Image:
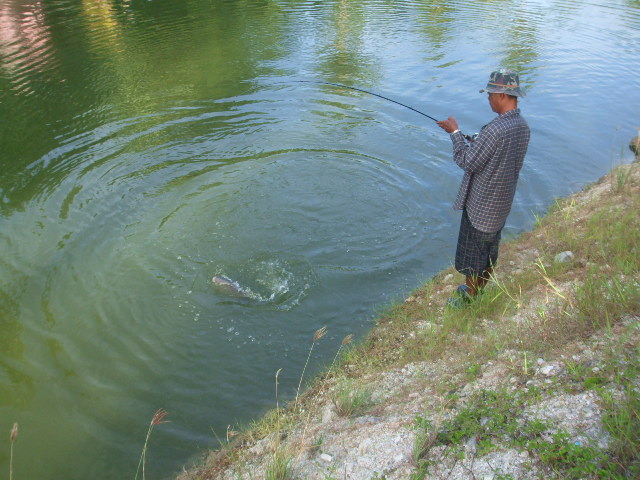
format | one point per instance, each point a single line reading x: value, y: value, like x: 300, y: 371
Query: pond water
x: 148, y: 146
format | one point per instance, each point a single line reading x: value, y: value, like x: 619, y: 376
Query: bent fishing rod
x: 469, y: 138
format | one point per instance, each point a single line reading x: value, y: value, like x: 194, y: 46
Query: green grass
x: 491, y: 415
x: 492, y: 420
x: 622, y: 421
x: 570, y: 460
x: 351, y: 399
x: 425, y: 439
x: 602, y: 291
x: 280, y: 467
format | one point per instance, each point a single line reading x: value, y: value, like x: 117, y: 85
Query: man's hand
x: 449, y: 125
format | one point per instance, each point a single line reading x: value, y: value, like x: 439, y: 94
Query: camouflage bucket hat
x: 504, y: 81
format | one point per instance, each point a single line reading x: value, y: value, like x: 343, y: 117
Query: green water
x: 147, y: 146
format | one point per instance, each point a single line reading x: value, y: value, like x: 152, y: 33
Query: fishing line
x: 368, y: 92
x: 468, y: 138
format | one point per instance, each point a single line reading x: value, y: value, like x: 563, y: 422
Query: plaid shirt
x: 491, y: 165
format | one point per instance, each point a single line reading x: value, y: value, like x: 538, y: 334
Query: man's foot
x: 460, y: 298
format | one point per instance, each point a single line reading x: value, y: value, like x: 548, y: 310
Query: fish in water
x: 228, y: 285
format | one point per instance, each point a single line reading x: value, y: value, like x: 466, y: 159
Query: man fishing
x: 491, y: 164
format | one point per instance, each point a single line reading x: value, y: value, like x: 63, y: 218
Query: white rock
x: 547, y: 370
x: 563, y: 257
x: 364, y: 446
x: 326, y: 457
x: 328, y: 414
x: 262, y: 446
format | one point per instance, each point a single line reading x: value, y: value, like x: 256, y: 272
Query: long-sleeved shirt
x: 491, y: 165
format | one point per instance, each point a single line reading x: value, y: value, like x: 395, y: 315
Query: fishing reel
x: 470, y: 138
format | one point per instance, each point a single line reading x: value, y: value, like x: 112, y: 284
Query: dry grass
x: 157, y: 419
x: 12, y: 438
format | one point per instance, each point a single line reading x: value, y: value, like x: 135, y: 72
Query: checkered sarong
x: 476, y: 250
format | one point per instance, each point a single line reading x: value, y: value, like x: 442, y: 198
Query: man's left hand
x: 449, y: 125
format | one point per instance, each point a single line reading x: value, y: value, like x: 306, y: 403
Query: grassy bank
x: 459, y: 387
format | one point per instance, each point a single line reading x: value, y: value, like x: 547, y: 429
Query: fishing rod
x: 469, y: 138
x: 370, y: 93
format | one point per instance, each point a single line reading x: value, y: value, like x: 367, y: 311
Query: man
x: 491, y: 164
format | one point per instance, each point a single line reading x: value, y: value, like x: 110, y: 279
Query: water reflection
x: 343, y: 48
x: 16, y: 385
x: 100, y: 16
x: 25, y: 45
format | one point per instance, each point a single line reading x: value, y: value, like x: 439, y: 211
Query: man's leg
x: 476, y: 283
x: 476, y: 254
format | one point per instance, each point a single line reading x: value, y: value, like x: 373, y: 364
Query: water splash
x: 264, y: 279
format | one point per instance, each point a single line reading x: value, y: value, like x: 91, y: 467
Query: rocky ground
x: 522, y: 402
x: 380, y: 444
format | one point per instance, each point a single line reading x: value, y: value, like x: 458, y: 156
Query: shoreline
x: 544, y: 337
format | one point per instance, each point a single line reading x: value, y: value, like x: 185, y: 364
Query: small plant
x: 230, y: 433
x: 601, y: 300
x: 582, y: 375
x: 379, y: 476
x: 576, y: 370
x: 493, y: 416
x: 316, y: 337
x: 514, y: 298
x: 537, y: 219
x: 473, y: 370
x: 426, y: 437
x: 621, y: 177
x: 157, y: 419
x: 12, y: 437
x: 622, y: 421
x: 350, y: 399
x: 316, y: 445
x: 571, y: 460
x: 277, y: 410
x: 500, y: 476
x: 552, y: 287
x: 280, y: 467
x: 345, y: 341
x: 489, y: 416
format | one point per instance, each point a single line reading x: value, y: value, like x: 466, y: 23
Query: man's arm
x: 473, y: 157
x: 470, y: 157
